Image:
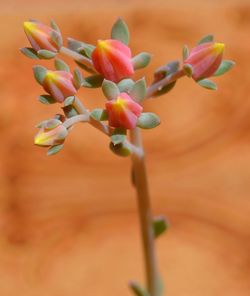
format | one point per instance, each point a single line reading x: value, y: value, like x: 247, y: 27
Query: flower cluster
x: 110, y: 65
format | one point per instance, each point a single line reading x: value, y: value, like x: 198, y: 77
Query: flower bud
x: 205, y: 59
x: 123, y: 111
x: 112, y: 59
x: 42, y: 37
x: 52, y: 132
x: 59, y: 84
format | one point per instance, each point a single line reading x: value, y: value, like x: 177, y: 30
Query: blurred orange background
x: 69, y: 223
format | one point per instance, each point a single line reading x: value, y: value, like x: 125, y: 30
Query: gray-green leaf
x: 185, y: 52
x: 60, y: 65
x: 148, y: 120
x: 207, y: 38
x: 120, y: 31
x: 54, y: 149
x: 208, y: 84
x: 39, y: 73
x: 93, y: 81
x: 141, y: 60
x: 47, y: 99
x: 29, y: 52
x: 99, y: 114
x: 46, y: 54
x: 110, y: 89
x: 224, y: 67
x: 139, y: 90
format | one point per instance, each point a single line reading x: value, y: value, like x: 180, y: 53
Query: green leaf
x: 84, y: 67
x: 47, y: 99
x: 93, y: 81
x: 86, y: 50
x: 55, y: 26
x: 188, y: 69
x: 185, y: 52
x: 120, y: 31
x: 46, y: 54
x: 224, y: 67
x: 125, y: 85
x: 141, y: 60
x: 138, y: 289
x: 164, y: 89
x: 160, y: 225
x: 148, y: 120
x: 121, y: 149
x: 99, y: 114
x: 110, y: 89
x: 60, y: 65
x: 29, y: 52
x: 208, y: 84
x: 57, y: 38
x: 39, y: 73
x: 139, y: 90
x: 78, y: 79
x: 118, y: 136
x: 205, y: 39
x: 69, y: 111
x: 54, y: 149
x: 69, y: 101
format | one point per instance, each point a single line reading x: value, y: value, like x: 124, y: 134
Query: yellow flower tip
x: 38, y: 140
x: 29, y: 26
x: 51, y: 75
x: 102, y: 44
x: 219, y: 47
x: 120, y: 104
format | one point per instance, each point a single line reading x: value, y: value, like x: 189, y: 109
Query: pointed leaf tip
x: 224, y: 67
x: 110, y: 89
x: 148, y: 120
x: 207, y: 38
x: 120, y: 31
x: 208, y: 84
x: 160, y: 225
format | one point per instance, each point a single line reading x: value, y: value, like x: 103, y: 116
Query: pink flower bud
x: 123, y: 111
x: 205, y: 59
x: 112, y: 59
x: 40, y: 36
x: 52, y: 132
x: 59, y: 84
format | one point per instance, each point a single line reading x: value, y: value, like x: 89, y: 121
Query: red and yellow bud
x: 40, y: 36
x: 112, y: 59
x: 123, y: 111
x: 59, y: 84
x: 205, y: 59
x: 52, y: 132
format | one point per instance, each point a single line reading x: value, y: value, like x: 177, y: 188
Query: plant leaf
x: 208, y: 84
x: 148, y: 120
x: 54, y: 149
x: 185, y: 52
x: 139, y: 90
x: 69, y: 101
x: 60, y: 65
x: 78, y: 79
x: 99, y: 114
x: 188, y: 69
x: 121, y: 149
x: 141, y: 60
x: 224, y: 67
x: 29, y: 52
x: 125, y: 85
x: 46, y: 54
x: 47, y: 99
x: 138, y: 289
x: 93, y: 81
x: 164, y: 89
x: 120, y: 31
x: 110, y: 89
x: 39, y: 73
x: 160, y: 225
x: 205, y: 39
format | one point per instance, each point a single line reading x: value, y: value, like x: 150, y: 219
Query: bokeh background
x: 68, y: 223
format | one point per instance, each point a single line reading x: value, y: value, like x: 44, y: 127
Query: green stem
x: 144, y: 208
